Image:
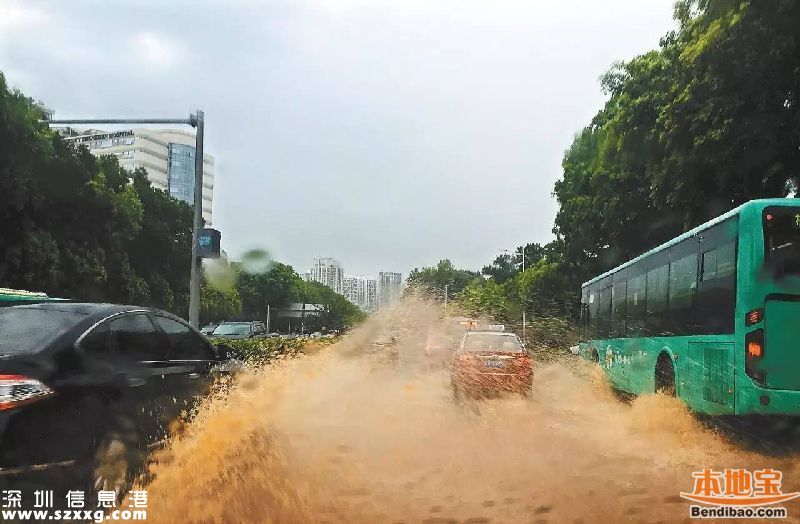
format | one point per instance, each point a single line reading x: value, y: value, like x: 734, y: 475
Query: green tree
x: 704, y: 123
x: 337, y: 312
x: 277, y: 287
x: 81, y: 227
x: 506, y: 266
x: 434, y: 280
x: 219, y: 304
x: 487, y: 297
x: 544, y: 290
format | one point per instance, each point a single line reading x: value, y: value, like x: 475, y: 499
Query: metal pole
x: 188, y: 121
x: 524, y: 322
x: 196, y: 271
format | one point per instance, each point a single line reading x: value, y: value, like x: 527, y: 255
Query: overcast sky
x: 386, y: 134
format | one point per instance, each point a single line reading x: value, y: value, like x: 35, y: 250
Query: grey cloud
x: 384, y: 134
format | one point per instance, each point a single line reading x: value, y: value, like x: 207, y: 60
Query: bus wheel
x: 665, y: 375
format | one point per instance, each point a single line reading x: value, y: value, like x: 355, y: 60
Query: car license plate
x: 494, y: 364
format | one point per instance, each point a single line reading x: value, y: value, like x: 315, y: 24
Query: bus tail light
x: 754, y: 353
x: 753, y: 317
x: 18, y: 390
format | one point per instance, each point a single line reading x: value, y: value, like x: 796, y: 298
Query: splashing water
x: 362, y: 432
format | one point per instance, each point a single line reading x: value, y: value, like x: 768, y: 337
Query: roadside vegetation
x: 80, y: 227
x: 708, y: 121
x: 260, y: 351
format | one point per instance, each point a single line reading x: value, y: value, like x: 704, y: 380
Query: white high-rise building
x: 362, y: 291
x: 168, y: 156
x: 370, y: 295
x: 328, y: 271
x: 390, y: 287
x: 350, y: 289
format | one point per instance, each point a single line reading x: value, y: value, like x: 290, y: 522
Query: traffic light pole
x: 197, y: 267
x: 197, y: 121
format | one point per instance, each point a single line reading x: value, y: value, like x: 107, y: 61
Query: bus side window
x: 604, y: 313
x: 584, y: 314
x: 635, y: 306
x: 726, y: 260
x: 618, y: 310
x: 716, y: 294
x: 591, y: 326
x: 682, y: 284
x: 657, y: 314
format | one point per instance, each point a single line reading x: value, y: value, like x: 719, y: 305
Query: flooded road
x: 349, y: 435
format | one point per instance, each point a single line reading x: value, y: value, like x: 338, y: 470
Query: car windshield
x: 232, y: 329
x: 26, y: 330
x: 490, y: 342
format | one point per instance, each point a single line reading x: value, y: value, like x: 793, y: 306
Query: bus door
x: 713, y: 323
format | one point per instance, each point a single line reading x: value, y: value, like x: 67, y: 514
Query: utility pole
x: 197, y: 121
x: 524, y: 320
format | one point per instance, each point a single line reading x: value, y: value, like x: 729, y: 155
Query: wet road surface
x: 361, y: 433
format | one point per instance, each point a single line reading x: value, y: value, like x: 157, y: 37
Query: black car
x: 239, y: 330
x: 87, y: 389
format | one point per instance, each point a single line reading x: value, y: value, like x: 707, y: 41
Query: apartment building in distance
x: 368, y: 293
x: 390, y: 287
x: 362, y: 291
x: 168, y: 156
x: 327, y: 271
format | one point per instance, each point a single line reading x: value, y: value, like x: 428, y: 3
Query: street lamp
x: 197, y: 121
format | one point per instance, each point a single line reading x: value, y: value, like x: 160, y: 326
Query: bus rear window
x: 782, y: 239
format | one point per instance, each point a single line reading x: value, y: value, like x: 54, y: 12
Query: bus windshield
x: 782, y: 239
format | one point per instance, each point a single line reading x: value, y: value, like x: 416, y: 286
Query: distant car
x: 239, y: 330
x: 208, y: 329
x: 488, y: 362
x: 86, y: 389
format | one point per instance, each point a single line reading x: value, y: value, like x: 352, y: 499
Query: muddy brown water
x: 351, y: 435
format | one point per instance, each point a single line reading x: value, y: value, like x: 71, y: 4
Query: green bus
x: 16, y: 297
x: 712, y: 316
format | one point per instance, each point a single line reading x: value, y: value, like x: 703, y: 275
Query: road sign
x: 208, y: 243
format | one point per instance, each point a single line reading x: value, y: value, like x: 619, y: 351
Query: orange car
x: 490, y: 362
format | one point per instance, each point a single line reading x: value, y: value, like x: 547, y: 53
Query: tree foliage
x: 434, y: 280
x: 709, y: 120
x: 337, y: 312
x: 279, y: 286
x: 276, y: 287
x: 706, y: 122
x: 80, y: 227
x: 217, y: 305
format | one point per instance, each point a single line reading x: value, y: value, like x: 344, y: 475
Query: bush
x: 260, y: 351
